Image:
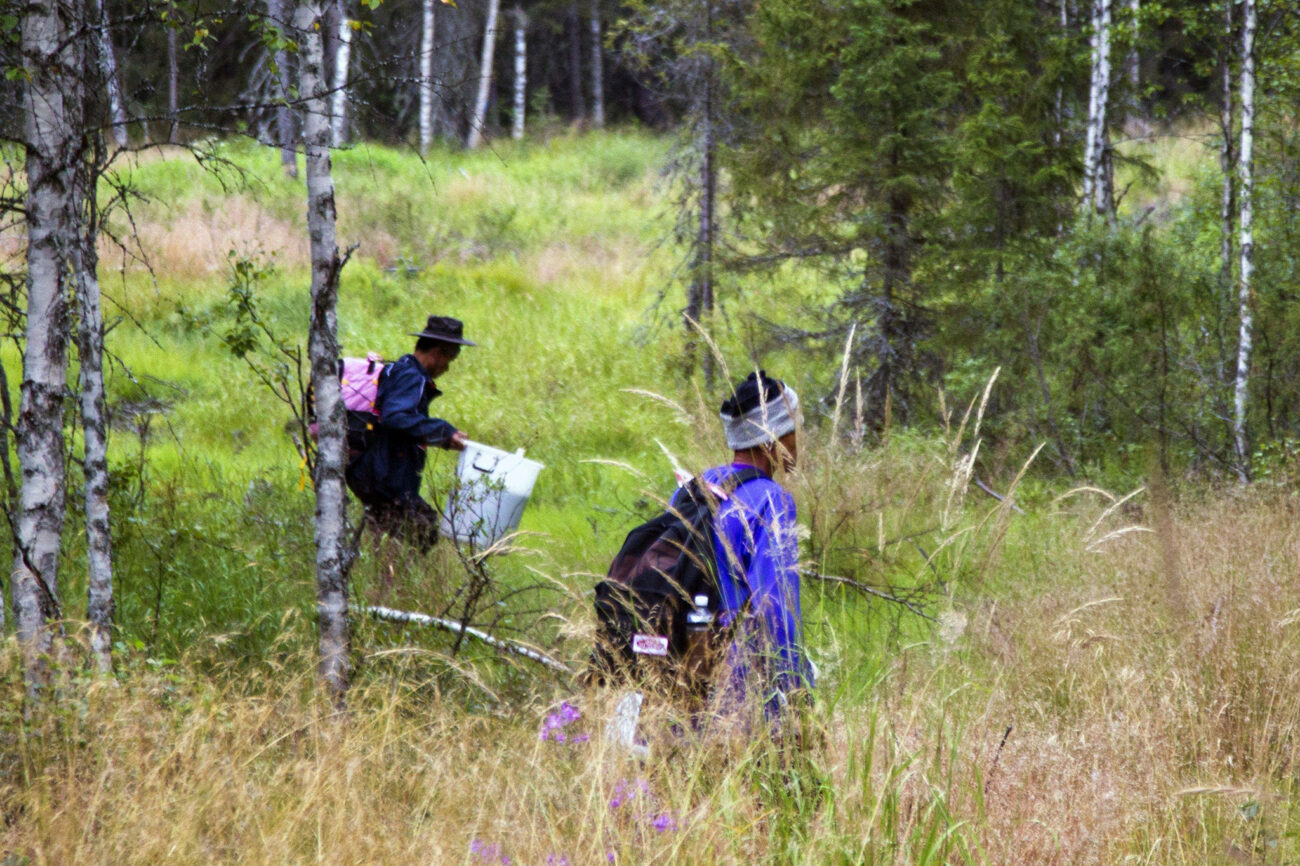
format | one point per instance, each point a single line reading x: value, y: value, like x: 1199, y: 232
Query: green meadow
x: 1082, y: 676
x: 557, y: 255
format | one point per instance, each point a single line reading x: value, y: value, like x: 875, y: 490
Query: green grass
x: 1147, y: 679
x: 555, y: 254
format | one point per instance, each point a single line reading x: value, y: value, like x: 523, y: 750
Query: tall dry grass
x: 1144, y: 727
x: 192, y: 240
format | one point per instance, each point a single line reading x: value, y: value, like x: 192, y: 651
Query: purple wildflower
x: 664, y: 822
x: 558, y: 860
x: 623, y: 792
x: 486, y: 852
x: 555, y: 723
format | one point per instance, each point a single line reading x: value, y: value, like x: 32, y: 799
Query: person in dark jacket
x: 386, y: 478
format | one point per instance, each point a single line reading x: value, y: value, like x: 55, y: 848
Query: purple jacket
x: 758, y: 556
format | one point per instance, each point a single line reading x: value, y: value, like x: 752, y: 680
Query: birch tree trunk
x: 284, y: 131
x: 1246, y: 165
x: 521, y: 74
x: 485, y: 76
x: 1134, y: 57
x: 1095, y: 140
x: 342, y: 53
x: 173, y: 87
x: 323, y: 349
x: 426, y: 75
x: 51, y: 99
x: 108, y: 68
x: 90, y: 348
x: 9, y: 494
x: 597, y: 69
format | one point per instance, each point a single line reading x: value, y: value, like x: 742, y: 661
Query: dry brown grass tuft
x: 1124, y: 699
x: 195, y: 241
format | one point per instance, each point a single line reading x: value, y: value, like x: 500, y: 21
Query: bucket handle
x: 486, y: 470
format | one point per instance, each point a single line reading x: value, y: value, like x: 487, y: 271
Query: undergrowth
x: 1056, y: 676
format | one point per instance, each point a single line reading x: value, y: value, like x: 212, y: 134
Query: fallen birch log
x: 452, y: 625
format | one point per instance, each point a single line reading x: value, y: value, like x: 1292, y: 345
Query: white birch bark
x: 323, y: 349
x: 90, y: 347
x: 521, y: 74
x: 1134, y: 58
x: 509, y: 646
x: 597, y: 69
x: 1246, y: 167
x: 426, y: 75
x: 342, y: 53
x: 108, y: 68
x: 51, y: 96
x: 479, y: 117
x: 1095, y: 139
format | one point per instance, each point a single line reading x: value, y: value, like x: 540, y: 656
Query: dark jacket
x: 390, y: 469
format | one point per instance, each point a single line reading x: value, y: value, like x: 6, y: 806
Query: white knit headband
x: 766, y: 422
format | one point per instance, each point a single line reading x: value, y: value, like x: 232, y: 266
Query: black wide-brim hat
x: 445, y: 328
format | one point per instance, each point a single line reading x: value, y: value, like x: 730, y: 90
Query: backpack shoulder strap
x: 741, y: 477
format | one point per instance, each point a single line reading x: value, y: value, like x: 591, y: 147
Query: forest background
x: 1030, y: 264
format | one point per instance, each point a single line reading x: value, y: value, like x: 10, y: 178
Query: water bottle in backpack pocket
x: 657, y: 609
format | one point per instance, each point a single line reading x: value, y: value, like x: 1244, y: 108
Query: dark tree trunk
x: 173, y: 87
x: 1227, y: 217
x: 699, y: 304
x: 597, y: 68
x: 284, y: 126
x: 573, y: 30
x: 892, y: 338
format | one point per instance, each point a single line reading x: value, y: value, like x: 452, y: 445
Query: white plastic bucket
x: 492, y: 487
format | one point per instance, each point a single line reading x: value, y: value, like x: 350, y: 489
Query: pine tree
x: 855, y: 101
x: 684, y: 47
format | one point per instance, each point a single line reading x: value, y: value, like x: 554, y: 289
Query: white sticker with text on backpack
x: 650, y: 644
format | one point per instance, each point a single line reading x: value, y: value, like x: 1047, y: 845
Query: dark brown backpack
x: 642, y: 603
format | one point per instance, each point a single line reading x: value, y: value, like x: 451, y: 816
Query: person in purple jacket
x: 757, y: 550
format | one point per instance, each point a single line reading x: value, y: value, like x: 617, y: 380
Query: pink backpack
x: 359, y: 379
